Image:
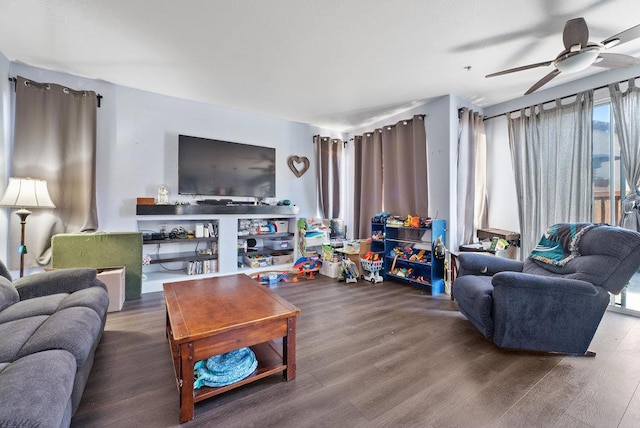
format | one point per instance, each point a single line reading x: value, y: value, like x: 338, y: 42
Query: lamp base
x: 23, y: 213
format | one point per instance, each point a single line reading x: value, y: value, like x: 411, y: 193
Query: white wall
x: 5, y: 88
x: 146, y: 147
x: 137, y: 137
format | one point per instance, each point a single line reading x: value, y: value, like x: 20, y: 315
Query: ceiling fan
x: 579, y: 53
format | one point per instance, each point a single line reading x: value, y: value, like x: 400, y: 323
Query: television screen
x: 210, y: 167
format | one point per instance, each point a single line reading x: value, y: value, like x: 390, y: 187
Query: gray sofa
x: 540, y: 306
x: 50, y: 326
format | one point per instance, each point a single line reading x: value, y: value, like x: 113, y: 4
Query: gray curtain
x: 367, y: 181
x: 55, y: 140
x: 551, y: 152
x: 471, y: 176
x: 404, y: 174
x: 626, y: 113
x: 328, y: 170
x: 391, y: 166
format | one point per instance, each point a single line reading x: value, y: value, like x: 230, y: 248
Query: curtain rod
x: 561, y: 98
x: 15, y: 81
x: 422, y: 116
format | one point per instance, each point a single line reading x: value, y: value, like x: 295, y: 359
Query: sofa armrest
x: 485, y: 264
x: 57, y: 281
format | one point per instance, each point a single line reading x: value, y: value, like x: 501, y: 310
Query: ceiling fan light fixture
x: 611, y: 43
x: 572, y: 62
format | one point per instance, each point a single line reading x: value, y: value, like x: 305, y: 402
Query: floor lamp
x: 26, y: 193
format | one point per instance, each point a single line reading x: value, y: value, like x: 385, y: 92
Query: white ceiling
x: 337, y: 64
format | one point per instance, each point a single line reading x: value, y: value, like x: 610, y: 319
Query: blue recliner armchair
x: 550, y: 303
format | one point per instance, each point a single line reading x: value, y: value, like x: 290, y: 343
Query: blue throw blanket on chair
x: 559, y: 244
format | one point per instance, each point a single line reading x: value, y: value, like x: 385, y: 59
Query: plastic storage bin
x: 279, y: 243
x: 281, y: 258
x: 257, y: 260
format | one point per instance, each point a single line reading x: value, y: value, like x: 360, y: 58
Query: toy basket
x: 371, y: 265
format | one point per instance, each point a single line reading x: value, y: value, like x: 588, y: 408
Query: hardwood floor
x: 383, y: 355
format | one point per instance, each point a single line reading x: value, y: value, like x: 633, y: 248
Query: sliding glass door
x: 609, y: 189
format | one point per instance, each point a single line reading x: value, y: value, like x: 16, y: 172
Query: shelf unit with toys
x: 409, y: 252
x: 377, y: 232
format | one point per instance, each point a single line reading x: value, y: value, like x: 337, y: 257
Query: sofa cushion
x: 14, y: 334
x: 8, y: 293
x: 4, y: 272
x: 475, y: 298
x: 95, y: 298
x: 73, y: 329
x: 57, y: 281
x: 46, y: 305
x: 36, y: 390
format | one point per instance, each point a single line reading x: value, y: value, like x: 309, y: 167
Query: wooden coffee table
x: 211, y: 316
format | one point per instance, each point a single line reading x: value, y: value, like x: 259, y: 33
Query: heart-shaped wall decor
x: 293, y: 162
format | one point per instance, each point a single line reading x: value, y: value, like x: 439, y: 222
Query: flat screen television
x: 208, y: 167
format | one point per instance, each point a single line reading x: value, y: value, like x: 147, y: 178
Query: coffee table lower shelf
x: 269, y: 363
x: 196, y: 330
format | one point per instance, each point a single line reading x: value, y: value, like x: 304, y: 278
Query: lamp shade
x: 27, y: 193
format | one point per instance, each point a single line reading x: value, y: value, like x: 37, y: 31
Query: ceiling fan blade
x: 523, y: 67
x: 612, y: 60
x: 624, y: 37
x: 546, y: 79
x: 575, y: 32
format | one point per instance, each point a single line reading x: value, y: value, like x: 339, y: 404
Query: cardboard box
x: 113, y: 278
x: 360, y: 246
x: 365, y: 247
x: 145, y: 201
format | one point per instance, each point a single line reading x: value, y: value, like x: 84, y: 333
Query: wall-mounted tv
x: 208, y: 167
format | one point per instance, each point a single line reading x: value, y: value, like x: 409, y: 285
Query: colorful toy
x: 307, y: 265
x: 348, y: 271
x: 373, y: 265
x: 269, y: 278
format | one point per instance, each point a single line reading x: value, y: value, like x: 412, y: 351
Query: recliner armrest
x: 57, y: 281
x: 485, y: 264
x: 543, y: 284
x: 544, y: 313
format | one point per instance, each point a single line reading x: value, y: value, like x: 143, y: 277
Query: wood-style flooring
x: 383, y: 355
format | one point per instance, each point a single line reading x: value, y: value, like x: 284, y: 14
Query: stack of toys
x: 409, y: 273
x: 411, y: 254
x: 409, y: 221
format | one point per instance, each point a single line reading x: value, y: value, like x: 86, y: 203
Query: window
x: 608, y: 178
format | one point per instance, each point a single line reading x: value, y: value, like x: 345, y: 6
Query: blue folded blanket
x: 559, y: 244
x: 224, y: 369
